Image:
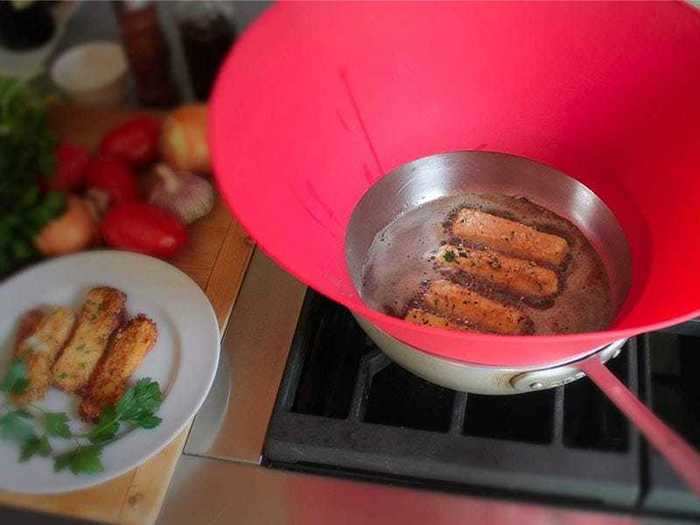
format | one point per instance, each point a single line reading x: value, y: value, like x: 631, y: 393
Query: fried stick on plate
x: 100, y: 315
x: 127, y: 349
x: 27, y: 325
x: 40, y: 338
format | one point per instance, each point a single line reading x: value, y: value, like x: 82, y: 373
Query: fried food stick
x: 516, y: 275
x: 423, y: 318
x: 40, y: 338
x: 456, y: 302
x: 509, y: 237
x: 100, y: 315
x: 128, y: 348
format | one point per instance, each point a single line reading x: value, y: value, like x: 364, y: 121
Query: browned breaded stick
x: 517, y: 275
x: 27, y: 325
x: 39, y: 348
x: 510, y: 237
x: 423, y: 318
x: 128, y: 348
x: 99, y: 317
x: 457, y: 302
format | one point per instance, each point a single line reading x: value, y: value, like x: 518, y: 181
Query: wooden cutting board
x: 216, y: 259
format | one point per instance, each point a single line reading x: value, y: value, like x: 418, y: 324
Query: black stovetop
x: 345, y: 409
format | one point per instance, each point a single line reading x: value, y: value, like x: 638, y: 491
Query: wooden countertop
x: 215, y: 259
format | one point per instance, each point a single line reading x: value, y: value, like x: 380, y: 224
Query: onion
x: 184, y: 139
x: 71, y: 232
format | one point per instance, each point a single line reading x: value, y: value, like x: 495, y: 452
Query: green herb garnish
x: 80, y: 460
x: 35, y: 446
x: 135, y: 409
x: 26, y: 156
x: 15, y: 380
x: 449, y: 256
x: 14, y: 426
x: 56, y: 424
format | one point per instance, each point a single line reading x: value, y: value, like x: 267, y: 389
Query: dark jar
x: 207, y: 32
x: 147, y: 52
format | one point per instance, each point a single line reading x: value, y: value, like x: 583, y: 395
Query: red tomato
x: 113, y: 176
x: 71, y: 161
x: 143, y: 228
x: 136, y: 141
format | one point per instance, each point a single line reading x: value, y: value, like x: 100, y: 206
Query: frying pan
x: 423, y: 185
x: 318, y: 102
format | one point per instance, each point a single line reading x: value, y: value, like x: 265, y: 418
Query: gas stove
x: 344, y: 407
x: 305, y: 406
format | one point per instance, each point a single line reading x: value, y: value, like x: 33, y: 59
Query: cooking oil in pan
x: 416, y: 250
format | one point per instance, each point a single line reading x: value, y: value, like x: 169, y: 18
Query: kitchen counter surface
x: 216, y: 259
x: 224, y: 475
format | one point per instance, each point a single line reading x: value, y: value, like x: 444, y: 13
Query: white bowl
x: 92, y: 74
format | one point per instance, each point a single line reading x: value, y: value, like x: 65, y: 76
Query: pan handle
x: 682, y: 457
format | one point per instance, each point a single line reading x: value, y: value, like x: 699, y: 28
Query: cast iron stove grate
x: 345, y: 408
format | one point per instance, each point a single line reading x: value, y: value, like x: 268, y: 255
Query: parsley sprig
x: 26, y: 159
x: 32, y: 427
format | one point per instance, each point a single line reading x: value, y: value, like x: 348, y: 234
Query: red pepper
x: 71, y: 161
x: 113, y: 176
x: 136, y: 141
x: 143, y: 228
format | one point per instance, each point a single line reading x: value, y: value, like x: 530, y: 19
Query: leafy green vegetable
x: 16, y: 380
x: 62, y: 461
x: 148, y: 421
x: 26, y: 156
x: 136, y: 408
x: 80, y: 460
x: 33, y: 446
x: 142, y: 399
x: 15, y: 427
x: 56, y: 424
x: 106, y: 428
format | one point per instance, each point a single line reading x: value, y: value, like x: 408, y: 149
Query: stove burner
x: 345, y: 408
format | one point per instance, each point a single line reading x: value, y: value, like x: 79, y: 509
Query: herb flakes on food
x: 449, y: 256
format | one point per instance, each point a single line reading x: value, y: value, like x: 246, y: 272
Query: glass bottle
x: 207, y: 32
x: 147, y: 51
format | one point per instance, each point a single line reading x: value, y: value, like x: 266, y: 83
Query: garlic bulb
x: 185, y: 194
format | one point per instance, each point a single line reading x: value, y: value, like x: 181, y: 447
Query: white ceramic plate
x: 183, y: 361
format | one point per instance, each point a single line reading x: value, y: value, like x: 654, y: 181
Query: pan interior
x: 417, y: 196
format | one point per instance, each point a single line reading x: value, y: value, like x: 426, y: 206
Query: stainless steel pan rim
x: 483, y: 379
